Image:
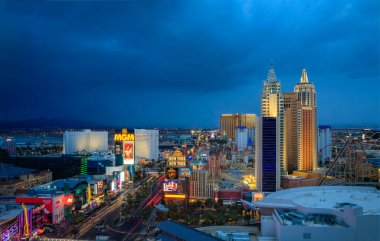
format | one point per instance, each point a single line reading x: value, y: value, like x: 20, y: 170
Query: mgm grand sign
x: 176, y: 160
x: 124, y: 136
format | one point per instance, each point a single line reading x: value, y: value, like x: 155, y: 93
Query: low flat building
x: 175, y: 231
x: 301, y: 179
x: 339, y: 213
x: 16, y: 180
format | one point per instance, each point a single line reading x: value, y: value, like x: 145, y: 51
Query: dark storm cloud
x: 65, y: 58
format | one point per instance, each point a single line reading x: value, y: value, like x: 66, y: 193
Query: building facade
x: 290, y: 132
x: 84, y: 141
x: 146, y: 144
x: 241, y: 138
x: 10, y: 146
x: 229, y: 122
x: 324, y: 143
x: 269, y: 136
x: 339, y: 213
x: 200, y: 186
x: 307, y: 124
x: 24, y: 182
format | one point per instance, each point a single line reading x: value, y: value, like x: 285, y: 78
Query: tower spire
x: 304, y: 78
x: 271, y: 74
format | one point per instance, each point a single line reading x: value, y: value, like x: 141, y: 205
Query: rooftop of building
x: 8, y: 171
x: 327, y: 197
x: 291, y: 217
x: 182, y: 232
x: 8, y: 214
x: 10, y: 210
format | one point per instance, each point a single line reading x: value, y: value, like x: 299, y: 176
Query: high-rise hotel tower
x: 269, y: 136
x: 307, y: 124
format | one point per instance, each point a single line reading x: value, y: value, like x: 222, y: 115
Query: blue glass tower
x: 269, y: 154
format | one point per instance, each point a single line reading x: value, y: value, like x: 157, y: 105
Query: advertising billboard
x: 172, y: 173
x: 176, y: 160
x: 128, y: 152
x: 170, y: 186
x: 47, y: 202
x: 185, y: 172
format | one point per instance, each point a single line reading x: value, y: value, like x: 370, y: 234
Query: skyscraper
x: 228, y: 123
x: 269, y: 136
x: 307, y: 124
x: 290, y: 132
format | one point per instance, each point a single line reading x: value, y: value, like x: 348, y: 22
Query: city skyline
x: 169, y: 64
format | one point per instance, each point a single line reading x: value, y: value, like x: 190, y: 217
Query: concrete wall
x: 368, y: 228
x: 302, y: 233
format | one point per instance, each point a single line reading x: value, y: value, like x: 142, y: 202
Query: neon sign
x: 124, y: 136
x: 9, y: 233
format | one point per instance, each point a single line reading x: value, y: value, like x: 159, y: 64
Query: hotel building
x: 86, y: 140
x: 229, y: 122
x: 146, y: 144
x: 269, y: 136
x: 307, y: 124
x: 290, y: 132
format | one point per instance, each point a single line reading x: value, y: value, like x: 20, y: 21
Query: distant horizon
x: 79, y: 124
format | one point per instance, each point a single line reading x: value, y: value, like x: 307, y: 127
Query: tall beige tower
x: 290, y: 132
x: 307, y: 124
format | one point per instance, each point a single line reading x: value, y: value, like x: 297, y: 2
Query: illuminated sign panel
x: 124, y: 136
x: 177, y: 160
x: 125, y: 146
x: 9, y: 233
x: 185, y: 172
x: 128, y: 152
x: 178, y: 196
x: 100, y: 187
x: 170, y: 186
x: 67, y: 200
x: 172, y: 173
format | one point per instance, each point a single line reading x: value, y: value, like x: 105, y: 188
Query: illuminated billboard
x: 67, y: 200
x: 176, y: 160
x: 170, y: 186
x: 172, y: 173
x: 185, y: 172
x: 124, y: 136
x: 128, y: 152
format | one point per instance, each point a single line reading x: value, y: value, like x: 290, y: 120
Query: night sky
x: 183, y: 63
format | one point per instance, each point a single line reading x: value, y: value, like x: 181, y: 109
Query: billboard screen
x: 172, y: 173
x: 128, y: 152
x: 185, y: 172
x: 170, y: 186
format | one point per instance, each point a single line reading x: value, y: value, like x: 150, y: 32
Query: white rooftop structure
x: 346, y: 213
x: 325, y: 197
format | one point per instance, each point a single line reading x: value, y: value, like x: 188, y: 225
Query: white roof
x: 325, y: 197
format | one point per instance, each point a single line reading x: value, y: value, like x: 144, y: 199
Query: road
x: 132, y: 226
x: 106, y: 214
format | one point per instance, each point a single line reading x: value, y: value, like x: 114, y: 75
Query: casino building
x: 339, y: 213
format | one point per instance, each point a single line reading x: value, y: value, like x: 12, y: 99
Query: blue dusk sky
x: 183, y: 63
